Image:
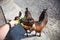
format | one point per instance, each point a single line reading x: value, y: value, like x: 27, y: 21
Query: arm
x: 4, y: 29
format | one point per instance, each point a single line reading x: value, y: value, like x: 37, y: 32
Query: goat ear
x: 20, y: 14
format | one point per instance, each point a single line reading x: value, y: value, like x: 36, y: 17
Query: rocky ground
x: 52, y: 29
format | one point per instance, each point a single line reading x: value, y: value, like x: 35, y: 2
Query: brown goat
x: 38, y: 26
x: 28, y: 22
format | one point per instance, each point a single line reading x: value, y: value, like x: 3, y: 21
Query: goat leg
x: 26, y: 33
x: 39, y: 35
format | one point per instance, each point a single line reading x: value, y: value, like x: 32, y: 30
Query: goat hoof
x: 26, y: 35
x: 39, y: 35
x: 34, y: 35
x: 29, y: 32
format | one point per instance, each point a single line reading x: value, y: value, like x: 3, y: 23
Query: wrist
x: 13, y: 23
x: 9, y: 25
